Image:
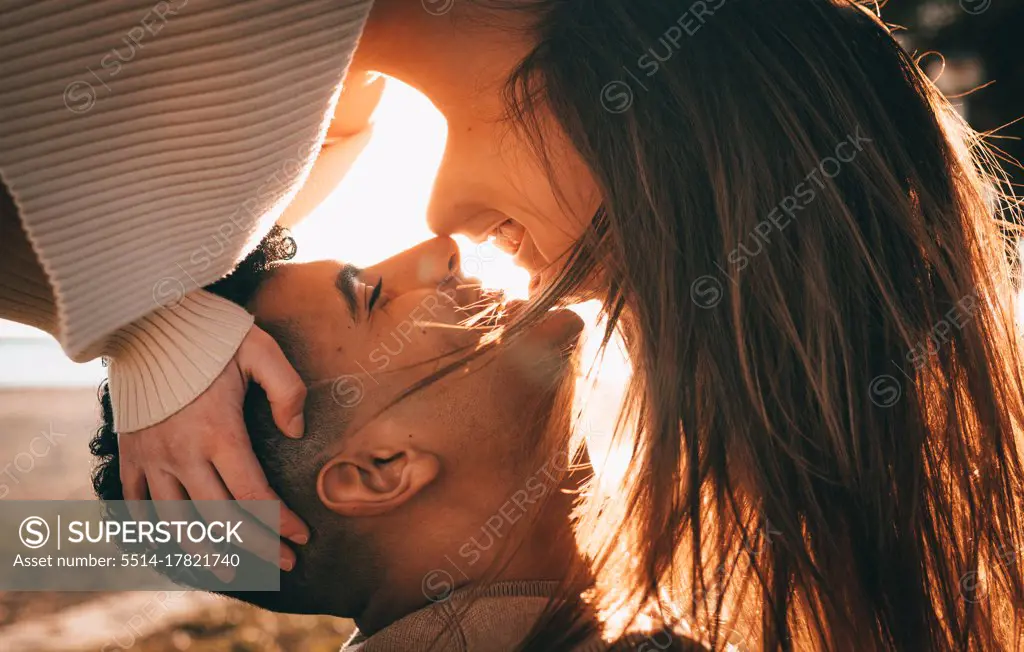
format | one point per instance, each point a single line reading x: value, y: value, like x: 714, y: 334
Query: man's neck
x: 543, y: 552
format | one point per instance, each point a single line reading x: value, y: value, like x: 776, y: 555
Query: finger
x: 203, y: 487
x: 164, y: 488
x: 133, y: 482
x: 265, y: 363
x: 171, y: 504
x: 244, y: 478
x: 254, y: 537
x: 133, y: 477
x: 134, y: 490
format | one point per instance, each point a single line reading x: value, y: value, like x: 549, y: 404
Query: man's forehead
x: 282, y: 291
x: 323, y: 409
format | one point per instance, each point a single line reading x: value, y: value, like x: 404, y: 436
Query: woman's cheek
x: 553, y: 240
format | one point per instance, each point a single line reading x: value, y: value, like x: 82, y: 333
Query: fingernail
x: 297, y: 426
x: 286, y: 563
x: 225, y: 575
x: 301, y: 539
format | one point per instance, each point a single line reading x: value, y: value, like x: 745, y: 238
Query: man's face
x: 371, y: 346
x: 376, y: 463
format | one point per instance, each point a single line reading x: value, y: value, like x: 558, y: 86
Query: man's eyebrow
x: 345, y: 284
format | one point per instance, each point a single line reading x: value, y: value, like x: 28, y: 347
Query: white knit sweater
x: 147, y: 144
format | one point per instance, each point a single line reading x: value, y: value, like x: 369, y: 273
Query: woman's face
x: 491, y: 182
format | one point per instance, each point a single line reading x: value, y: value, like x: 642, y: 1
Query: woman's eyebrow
x: 345, y: 282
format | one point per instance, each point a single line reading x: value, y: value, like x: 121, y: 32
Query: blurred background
x: 972, y: 48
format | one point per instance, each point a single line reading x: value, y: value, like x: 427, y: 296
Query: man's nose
x: 428, y: 265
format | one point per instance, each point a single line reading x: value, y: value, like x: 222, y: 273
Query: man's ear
x: 375, y: 479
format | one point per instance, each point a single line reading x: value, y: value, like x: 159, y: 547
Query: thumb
x: 261, y: 359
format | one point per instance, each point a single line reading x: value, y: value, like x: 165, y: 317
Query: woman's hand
x: 358, y: 100
x: 203, y: 452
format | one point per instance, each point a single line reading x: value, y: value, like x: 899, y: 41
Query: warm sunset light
x: 321, y: 263
x: 366, y: 200
x: 378, y: 207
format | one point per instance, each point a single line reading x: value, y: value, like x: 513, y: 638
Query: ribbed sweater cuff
x: 162, y: 362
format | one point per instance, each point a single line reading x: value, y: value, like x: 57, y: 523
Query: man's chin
x: 562, y: 328
x: 543, y: 355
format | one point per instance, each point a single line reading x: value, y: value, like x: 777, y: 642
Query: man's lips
x: 471, y: 296
x: 486, y: 307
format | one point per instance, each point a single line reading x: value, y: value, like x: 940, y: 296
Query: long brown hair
x: 800, y: 243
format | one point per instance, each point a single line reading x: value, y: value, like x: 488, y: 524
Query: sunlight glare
x: 366, y: 198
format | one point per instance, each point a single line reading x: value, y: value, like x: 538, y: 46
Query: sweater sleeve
x: 162, y: 362
x: 158, y: 364
x: 147, y: 145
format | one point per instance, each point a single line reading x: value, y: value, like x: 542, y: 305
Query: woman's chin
x: 585, y: 291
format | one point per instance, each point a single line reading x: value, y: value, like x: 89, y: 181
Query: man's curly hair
x: 238, y: 287
x: 289, y: 464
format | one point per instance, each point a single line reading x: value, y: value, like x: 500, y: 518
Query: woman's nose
x: 428, y: 265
